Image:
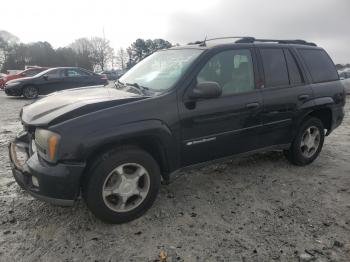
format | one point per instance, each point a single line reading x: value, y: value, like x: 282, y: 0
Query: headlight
x: 12, y: 83
x: 47, y: 144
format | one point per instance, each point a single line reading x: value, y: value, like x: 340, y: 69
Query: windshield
x: 161, y: 70
x: 44, y: 72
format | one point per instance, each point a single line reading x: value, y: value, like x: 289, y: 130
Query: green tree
x: 142, y: 48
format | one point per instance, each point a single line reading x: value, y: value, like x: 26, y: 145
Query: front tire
x: 122, y: 185
x: 307, y: 144
x: 30, y: 92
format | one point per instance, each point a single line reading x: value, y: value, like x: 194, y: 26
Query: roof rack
x: 203, y: 43
x: 249, y: 39
x: 296, y: 41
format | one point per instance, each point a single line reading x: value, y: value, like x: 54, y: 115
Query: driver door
x: 227, y: 125
x: 53, y: 81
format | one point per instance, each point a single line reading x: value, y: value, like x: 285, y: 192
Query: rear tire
x: 122, y: 184
x: 307, y: 144
x: 30, y: 92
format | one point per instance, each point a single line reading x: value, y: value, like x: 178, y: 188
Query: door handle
x: 303, y: 97
x: 252, y: 105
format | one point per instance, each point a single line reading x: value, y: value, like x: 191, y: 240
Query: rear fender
x: 310, y: 107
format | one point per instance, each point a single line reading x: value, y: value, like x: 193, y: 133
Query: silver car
x: 345, y: 79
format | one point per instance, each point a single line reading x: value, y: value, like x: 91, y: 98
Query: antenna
x: 203, y: 43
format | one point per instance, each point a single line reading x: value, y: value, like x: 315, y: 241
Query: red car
x: 26, y: 73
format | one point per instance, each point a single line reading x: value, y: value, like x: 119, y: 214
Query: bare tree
x: 101, y: 52
x: 8, y: 37
x: 81, y: 46
x: 122, y: 58
x: 7, y: 41
x: 3, y: 53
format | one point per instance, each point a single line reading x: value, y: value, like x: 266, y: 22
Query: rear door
x: 77, y: 78
x: 91, y: 78
x: 230, y: 124
x: 285, y: 90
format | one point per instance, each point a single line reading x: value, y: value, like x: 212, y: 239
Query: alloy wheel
x: 30, y: 92
x: 126, y: 187
x: 310, y: 141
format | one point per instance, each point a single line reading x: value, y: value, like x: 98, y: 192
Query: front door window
x: 232, y: 70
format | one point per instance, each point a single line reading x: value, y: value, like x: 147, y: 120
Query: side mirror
x: 206, y: 90
x: 23, y: 74
x: 46, y: 77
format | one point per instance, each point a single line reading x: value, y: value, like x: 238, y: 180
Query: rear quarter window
x: 320, y: 65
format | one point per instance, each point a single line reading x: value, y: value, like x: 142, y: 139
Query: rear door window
x: 275, y: 67
x: 84, y: 73
x: 319, y: 64
x: 295, y: 75
x: 76, y: 73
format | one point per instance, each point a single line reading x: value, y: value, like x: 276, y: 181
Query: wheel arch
x: 322, y: 113
x: 325, y: 115
x: 28, y: 85
x: 158, y: 142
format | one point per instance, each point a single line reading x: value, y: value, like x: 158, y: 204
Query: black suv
x: 52, y: 80
x: 177, y: 108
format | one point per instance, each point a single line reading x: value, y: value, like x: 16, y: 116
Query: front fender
x: 146, y: 128
x: 111, y: 135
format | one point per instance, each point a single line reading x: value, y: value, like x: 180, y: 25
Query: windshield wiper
x: 118, y: 83
x: 136, y: 86
x: 142, y: 88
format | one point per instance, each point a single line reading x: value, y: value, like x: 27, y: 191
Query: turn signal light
x: 52, y: 147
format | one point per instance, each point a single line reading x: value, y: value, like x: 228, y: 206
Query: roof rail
x: 249, y: 39
x: 279, y: 41
x: 203, y: 43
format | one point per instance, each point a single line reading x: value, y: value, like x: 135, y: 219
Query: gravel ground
x: 257, y: 208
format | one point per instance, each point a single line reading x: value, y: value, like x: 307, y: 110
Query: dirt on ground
x: 256, y: 208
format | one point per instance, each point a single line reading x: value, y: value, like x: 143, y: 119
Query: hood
x: 16, y: 78
x: 65, y: 105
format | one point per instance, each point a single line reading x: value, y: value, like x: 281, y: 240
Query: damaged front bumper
x: 57, y: 184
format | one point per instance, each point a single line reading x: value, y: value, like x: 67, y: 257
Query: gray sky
x: 325, y: 22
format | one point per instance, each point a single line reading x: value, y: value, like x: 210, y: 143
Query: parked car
x: 345, y: 79
x: 26, y: 73
x: 177, y: 108
x: 111, y: 75
x: 52, y: 80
